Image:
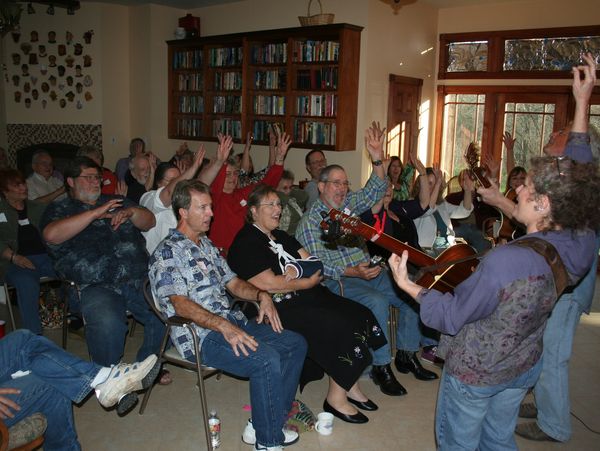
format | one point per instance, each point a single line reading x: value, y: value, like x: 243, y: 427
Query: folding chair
x: 171, y: 355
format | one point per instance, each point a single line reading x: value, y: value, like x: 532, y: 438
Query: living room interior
x: 125, y: 94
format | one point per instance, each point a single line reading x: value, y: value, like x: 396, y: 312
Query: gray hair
x: 324, y: 176
x: 37, y: 154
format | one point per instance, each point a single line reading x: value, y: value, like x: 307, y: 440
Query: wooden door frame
x: 418, y: 82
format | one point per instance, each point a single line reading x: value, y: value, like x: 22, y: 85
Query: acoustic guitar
x: 443, y: 273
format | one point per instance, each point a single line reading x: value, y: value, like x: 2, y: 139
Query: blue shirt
x: 98, y: 254
x: 180, y: 267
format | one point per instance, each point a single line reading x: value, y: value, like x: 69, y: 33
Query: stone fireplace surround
x: 60, y: 140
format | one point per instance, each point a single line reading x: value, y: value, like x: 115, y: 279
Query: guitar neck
x: 355, y: 226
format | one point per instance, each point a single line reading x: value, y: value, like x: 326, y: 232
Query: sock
x: 101, y: 376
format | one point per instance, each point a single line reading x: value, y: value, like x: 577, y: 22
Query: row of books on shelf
x: 191, y: 104
x: 269, y: 53
x: 273, y: 105
x: 190, y: 82
x: 227, y: 56
x: 188, y: 59
x: 317, y: 105
x: 311, y: 132
x: 227, y: 126
x: 227, y: 104
x: 228, y: 81
x: 270, y: 79
x: 189, y: 127
x: 261, y: 129
x: 322, y: 78
x: 313, y: 51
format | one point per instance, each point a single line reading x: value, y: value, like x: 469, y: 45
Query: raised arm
x: 167, y: 192
x: 150, y: 180
x: 272, y: 146
x: 209, y: 174
x: 509, y: 143
x: 582, y: 91
x: 245, y: 164
x: 437, y: 186
x: 374, y: 141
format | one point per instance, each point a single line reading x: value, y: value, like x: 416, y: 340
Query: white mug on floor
x: 324, y: 425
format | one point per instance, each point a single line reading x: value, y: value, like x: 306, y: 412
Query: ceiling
x: 192, y: 4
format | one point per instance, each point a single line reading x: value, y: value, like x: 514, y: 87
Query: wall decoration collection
x: 51, y: 71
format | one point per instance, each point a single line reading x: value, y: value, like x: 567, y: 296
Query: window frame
x: 496, y: 41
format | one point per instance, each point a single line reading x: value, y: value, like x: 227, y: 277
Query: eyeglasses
x: 271, y: 204
x: 558, y: 160
x: 90, y: 178
x: 318, y: 162
x: 339, y: 184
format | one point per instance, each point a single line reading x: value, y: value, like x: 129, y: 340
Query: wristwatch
x: 377, y: 163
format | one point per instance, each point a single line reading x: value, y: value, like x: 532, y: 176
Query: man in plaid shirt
x: 346, y: 260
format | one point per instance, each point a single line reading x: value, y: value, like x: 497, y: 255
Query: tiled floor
x: 172, y: 418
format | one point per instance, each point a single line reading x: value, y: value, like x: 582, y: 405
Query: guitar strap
x: 550, y: 254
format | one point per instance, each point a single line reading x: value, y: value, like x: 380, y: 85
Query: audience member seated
x: 189, y: 278
x: 24, y: 259
x: 346, y: 260
x: 339, y: 331
x: 38, y: 376
x: 137, y: 147
x: 434, y: 227
x: 158, y: 201
x: 140, y: 177
x: 471, y: 228
x: 494, y: 322
x: 315, y: 162
x: 42, y: 185
x: 230, y: 201
x: 109, y: 179
x: 95, y: 241
x: 292, y: 203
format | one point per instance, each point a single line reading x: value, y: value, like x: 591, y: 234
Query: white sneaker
x: 249, y: 437
x: 123, y: 379
x: 258, y: 447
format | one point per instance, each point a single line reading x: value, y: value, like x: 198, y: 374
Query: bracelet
x: 377, y: 163
x: 12, y: 257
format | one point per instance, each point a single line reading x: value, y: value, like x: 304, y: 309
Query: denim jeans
x: 552, y: 389
x: 377, y: 295
x: 57, y: 379
x: 473, y: 236
x: 274, y: 370
x: 27, y: 285
x: 470, y: 417
x: 104, y: 313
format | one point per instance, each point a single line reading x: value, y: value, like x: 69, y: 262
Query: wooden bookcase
x: 303, y: 79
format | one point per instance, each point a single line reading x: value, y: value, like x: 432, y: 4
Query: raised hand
x: 493, y: 166
x: 224, y: 148
x: 582, y: 88
x: 509, y: 141
x: 283, y: 144
x: 374, y: 141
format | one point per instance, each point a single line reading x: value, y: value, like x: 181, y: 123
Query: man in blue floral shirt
x: 95, y: 241
x: 189, y: 278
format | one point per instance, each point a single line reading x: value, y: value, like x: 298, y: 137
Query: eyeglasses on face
x: 271, y: 204
x: 318, y: 162
x: 90, y: 178
x: 339, y: 184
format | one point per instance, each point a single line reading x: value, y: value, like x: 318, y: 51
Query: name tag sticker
x: 3, y: 217
x: 243, y: 202
x: 23, y: 222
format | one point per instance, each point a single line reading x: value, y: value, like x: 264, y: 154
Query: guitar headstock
x: 478, y: 173
x: 344, y: 224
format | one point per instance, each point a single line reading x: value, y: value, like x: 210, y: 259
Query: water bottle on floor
x: 214, y: 425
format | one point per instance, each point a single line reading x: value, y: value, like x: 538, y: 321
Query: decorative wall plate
x: 87, y: 81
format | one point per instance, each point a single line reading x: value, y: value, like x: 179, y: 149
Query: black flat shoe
x: 357, y: 418
x: 364, y: 405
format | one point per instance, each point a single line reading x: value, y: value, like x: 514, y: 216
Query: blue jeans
x: 473, y: 236
x: 470, y: 417
x: 274, y: 370
x: 377, y: 295
x: 27, y: 284
x: 552, y: 389
x: 104, y: 313
x: 57, y: 379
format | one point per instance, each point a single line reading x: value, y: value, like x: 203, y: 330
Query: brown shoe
x: 531, y: 431
x: 528, y: 410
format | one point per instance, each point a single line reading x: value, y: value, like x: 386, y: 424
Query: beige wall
x: 130, y: 60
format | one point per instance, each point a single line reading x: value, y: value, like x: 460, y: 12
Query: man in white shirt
x: 42, y: 185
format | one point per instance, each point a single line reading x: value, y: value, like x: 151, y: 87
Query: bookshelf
x: 303, y: 79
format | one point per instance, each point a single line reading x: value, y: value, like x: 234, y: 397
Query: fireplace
x: 60, y: 140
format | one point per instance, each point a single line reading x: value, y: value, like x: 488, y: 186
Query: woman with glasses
x: 339, y: 331
x: 23, y: 254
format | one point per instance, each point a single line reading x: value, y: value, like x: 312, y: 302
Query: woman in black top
x: 23, y: 254
x: 339, y: 331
